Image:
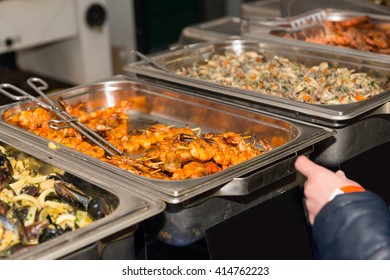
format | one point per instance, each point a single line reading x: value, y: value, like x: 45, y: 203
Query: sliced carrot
x: 306, y: 97
x: 359, y: 97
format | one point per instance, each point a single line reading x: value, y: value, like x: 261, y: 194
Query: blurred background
x: 74, y: 42
x: 79, y: 41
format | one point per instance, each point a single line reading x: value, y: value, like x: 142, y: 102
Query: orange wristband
x: 349, y: 189
x: 346, y: 189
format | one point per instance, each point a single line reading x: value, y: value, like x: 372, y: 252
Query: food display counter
x: 360, y: 126
x: 199, y: 200
x: 193, y: 153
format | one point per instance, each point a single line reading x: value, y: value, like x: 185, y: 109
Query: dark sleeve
x: 353, y: 226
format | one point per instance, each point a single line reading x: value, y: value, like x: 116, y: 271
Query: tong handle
x: 39, y: 86
x: 67, y: 120
x: 149, y: 60
x: 89, y: 133
x: 60, y: 124
x: 308, y: 19
x: 266, y: 21
x: 73, y: 122
x: 5, y: 89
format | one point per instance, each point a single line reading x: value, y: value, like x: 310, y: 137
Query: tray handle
x: 384, y: 109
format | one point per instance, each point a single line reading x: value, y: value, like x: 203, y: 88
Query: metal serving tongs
x: 150, y: 60
x: 311, y: 21
x: 65, y: 119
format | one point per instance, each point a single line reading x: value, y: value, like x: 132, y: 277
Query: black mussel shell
x: 6, y: 171
x: 30, y: 190
x: 72, y: 195
x: 98, y: 208
x: 51, y: 232
x: 55, y: 176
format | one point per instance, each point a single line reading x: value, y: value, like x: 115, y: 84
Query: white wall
x: 122, y: 31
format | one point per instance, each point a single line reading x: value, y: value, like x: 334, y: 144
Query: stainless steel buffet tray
x: 273, y: 29
x: 349, y: 120
x: 128, y: 208
x: 179, y: 108
x: 268, y: 8
x: 211, y: 30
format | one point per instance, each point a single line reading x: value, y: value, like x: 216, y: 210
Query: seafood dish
x: 362, y: 33
x: 282, y: 77
x: 359, y: 33
x: 36, y: 207
x: 304, y: 82
x: 50, y: 208
x: 172, y: 144
x: 159, y: 151
x: 343, y: 104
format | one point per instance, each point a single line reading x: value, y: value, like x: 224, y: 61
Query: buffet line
x: 186, y: 130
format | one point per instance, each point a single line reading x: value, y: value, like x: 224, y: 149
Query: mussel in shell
x: 52, y: 231
x: 72, y: 195
x: 30, y: 190
x: 34, y: 211
x: 55, y: 177
x: 98, y: 208
x: 6, y: 171
x: 9, y: 233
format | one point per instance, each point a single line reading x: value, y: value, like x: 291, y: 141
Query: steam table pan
x: 369, y: 116
x: 127, y: 208
x: 276, y: 29
x: 216, y: 29
x: 180, y: 108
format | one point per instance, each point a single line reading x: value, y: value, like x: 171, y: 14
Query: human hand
x: 320, y: 184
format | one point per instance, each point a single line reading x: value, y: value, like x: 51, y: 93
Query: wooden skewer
x: 183, y: 147
x: 145, y: 158
x: 156, y: 163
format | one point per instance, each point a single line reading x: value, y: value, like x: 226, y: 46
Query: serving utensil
x: 65, y: 119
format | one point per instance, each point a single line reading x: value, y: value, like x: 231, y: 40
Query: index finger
x: 306, y: 166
